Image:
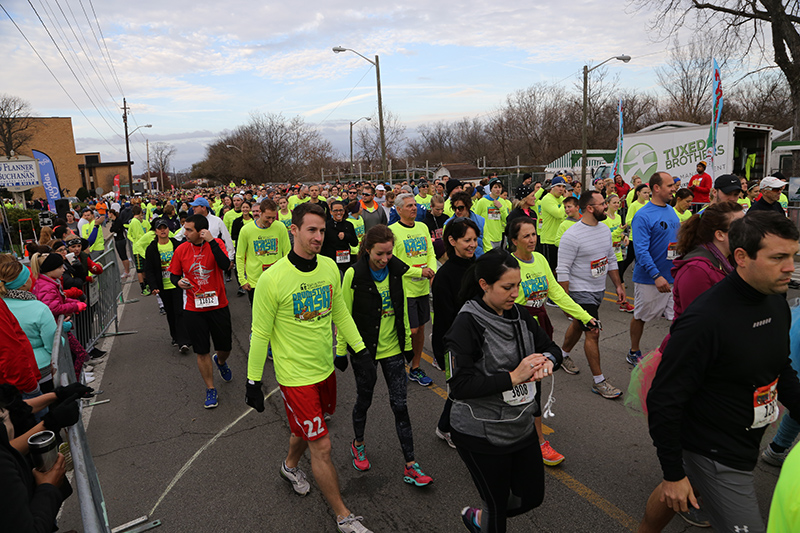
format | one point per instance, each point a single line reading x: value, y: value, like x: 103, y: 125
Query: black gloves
x: 62, y: 393
x: 340, y: 362
x: 63, y: 415
x: 253, y: 396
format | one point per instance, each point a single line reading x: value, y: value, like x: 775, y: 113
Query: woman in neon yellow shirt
x: 354, y: 217
x: 683, y: 199
x: 374, y: 295
x: 537, y: 285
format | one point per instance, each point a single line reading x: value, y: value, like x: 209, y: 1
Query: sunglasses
x: 459, y: 207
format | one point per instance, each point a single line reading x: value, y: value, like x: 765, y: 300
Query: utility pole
x: 149, y: 185
x: 127, y: 145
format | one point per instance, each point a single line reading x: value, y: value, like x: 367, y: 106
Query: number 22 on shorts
x: 309, y: 424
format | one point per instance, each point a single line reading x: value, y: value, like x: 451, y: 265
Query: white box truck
x: 743, y: 149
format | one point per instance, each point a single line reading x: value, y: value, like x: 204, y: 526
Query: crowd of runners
x: 358, y: 270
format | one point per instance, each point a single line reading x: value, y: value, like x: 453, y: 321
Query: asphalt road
x: 160, y: 453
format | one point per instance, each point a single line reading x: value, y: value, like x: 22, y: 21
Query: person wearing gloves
x: 298, y: 298
x: 47, y: 269
x: 374, y: 295
x: 31, y: 499
x: 340, y: 236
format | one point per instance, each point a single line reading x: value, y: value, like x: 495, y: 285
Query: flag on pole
x: 618, y: 156
x: 716, y: 114
x: 116, y: 188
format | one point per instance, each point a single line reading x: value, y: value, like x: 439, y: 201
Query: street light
x: 584, y: 133
x: 128, y: 150
x: 339, y: 50
x: 352, y: 170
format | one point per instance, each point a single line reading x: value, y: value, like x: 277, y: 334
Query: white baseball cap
x: 771, y: 182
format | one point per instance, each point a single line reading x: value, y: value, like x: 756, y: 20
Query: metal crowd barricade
x: 90, y: 495
x: 87, y: 481
x: 103, y: 294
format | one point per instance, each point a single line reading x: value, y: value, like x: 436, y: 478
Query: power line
x: 55, y: 77
x: 348, y: 94
x: 114, y: 71
x: 69, y: 66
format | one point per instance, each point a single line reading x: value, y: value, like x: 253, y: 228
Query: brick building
x: 54, y: 137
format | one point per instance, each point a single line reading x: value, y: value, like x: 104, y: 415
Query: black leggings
x: 630, y: 258
x: 394, y: 372
x: 173, y: 305
x: 509, y: 484
x: 122, y: 250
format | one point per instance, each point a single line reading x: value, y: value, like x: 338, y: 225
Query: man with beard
x: 585, y: 257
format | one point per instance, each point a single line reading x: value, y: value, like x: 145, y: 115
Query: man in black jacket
x: 339, y: 237
x: 771, y: 188
x: 720, y: 377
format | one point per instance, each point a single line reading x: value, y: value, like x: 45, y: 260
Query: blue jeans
x: 787, y: 432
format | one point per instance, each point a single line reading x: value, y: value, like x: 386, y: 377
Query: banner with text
x: 716, y: 114
x: 49, y: 179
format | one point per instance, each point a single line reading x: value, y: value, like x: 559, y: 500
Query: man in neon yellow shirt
x: 494, y: 211
x: 93, y: 232
x: 137, y: 227
x: 423, y: 198
x: 301, y: 198
x: 297, y: 298
x: 259, y: 246
x: 573, y: 213
x: 551, y: 212
x: 414, y: 247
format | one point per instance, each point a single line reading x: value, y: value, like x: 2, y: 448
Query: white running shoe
x: 297, y: 478
x: 352, y: 524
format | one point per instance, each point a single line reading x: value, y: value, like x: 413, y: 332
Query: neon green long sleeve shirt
x: 414, y: 247
x: 293, y: 310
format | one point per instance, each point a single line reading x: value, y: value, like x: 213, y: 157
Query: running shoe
x: 695, y: 517
x: 771, y: 457
x: 269, y: 351
x: 184, y: 348
x: 88, y: 379
x: 174, y: 342
x: 418, y: 375
x: 606, y: 390
x: 550, y: 457
x: 569, y: 366
x: 211, y: 399
x: 435, y: 364
x: 469, y: 515
x: 297, y: 478
x: 360, y: 461
x: 224, y: 370
x: 445, y: 436
x: 352, y: 524
x: 240, y: 292
x: 626, y: 307
x: 550, y: 303
x: 414, y: 476
x: 633, y: 358
x: 162, y: 311
x: 146, y: 292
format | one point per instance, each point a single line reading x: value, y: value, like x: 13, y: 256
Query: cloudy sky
x: 196, y: 68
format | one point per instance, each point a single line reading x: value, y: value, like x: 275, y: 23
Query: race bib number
x: 206, y: 299
x: 264, y: 267
x: 342, y: 257
x: 765, y: 405
x: 536, y: 299
x: 672, y: 251
x: 165, y: 274
x: 598, y: 267
x: 520, y: 394
x: 493, y: 213
x: 618, y: 247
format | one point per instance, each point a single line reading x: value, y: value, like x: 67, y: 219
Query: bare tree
x: 160, y: 158
x: 764, y: 98
x: 16, y: 123
x: 367, y: 139
x: 744, y: 25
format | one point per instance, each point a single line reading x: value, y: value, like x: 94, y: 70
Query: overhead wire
x: 14, y: 22
x: 108, y: 54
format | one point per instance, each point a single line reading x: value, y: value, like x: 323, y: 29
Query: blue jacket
x: 654, y: 228
x: 480, y: 221
x: 37, y: 321
x: 394, y: 217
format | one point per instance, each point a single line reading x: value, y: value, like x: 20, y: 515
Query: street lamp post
x: 584, y: 126
x: 338, y: 50
x: 128, y: 149
x: 352, y: 169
